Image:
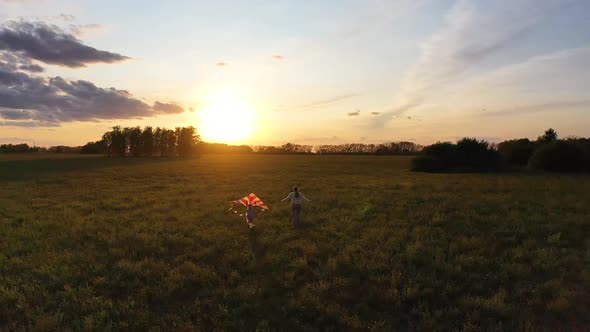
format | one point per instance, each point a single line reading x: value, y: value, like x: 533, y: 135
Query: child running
x: 295, y: 197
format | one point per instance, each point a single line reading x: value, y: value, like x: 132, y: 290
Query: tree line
x: 163, y: 142
x: 392, y: 148
x: 147, y: 142
x: 546, y: 153
x: 19, y: 148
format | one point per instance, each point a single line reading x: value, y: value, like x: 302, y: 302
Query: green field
x: 95, y: 243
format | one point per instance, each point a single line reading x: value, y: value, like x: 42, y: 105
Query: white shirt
x: 295, y: 200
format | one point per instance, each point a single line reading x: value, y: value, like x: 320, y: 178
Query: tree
x: 517, y: 152
x: 133, y: 139
x: 167, y: 143
x: 158, y: 147
x: 147, y: 142
x: 186, y: 141
x: 549, y: 136
x: 468, y: 154
x: 93, y: 147
x: 558, y: 156
x: 15, y: 148
x: 204, y: 147
x: 115, y: 142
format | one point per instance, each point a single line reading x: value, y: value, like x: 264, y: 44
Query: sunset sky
x: 308, y: 72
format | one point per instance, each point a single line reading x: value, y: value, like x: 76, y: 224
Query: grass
x: 92, y: 243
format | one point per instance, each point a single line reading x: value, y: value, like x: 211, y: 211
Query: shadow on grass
x: 258, y: 249
x: 22, y: 169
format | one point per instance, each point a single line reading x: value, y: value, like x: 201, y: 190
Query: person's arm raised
x: 305, y: 198
x: 286, y: 198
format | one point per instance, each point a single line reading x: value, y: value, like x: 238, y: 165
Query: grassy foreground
x: 146, y: 244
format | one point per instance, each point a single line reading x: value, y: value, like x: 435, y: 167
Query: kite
x: 251, y: 200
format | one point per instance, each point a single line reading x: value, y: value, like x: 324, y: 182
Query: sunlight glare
x: 227, y: 118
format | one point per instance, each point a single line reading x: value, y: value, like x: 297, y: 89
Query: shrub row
x: 467, y: 155
x: 547, y: 153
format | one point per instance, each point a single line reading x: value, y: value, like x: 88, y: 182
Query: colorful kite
x: 252, y: 200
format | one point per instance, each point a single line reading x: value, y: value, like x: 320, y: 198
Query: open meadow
x: 93, y: 243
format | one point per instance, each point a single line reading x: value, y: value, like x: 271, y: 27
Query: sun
x: 226, y: 118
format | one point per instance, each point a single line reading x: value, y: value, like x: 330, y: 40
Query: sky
x: 308, y: 72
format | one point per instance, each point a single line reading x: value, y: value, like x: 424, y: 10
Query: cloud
x: 317, y: 103
x: 31, y: 101
x: 278, y: 57
x: 67, y: 17
x: 11, y: 62
x: 170, y: 108
x: 221, y: 64
x: 17, y: 1
x: 329, y: 101
x: 12, y: 139
x: 355, y: 113
x: 32, y: 68
x: 58, y: 100
x: 563, y: 72
x: 28, y: 124
x: 83, y: 29
x: 51, y: 45
x: 10, y: 114
x: 473, y: 31
x: 556, y: 79
x: 27, y: 100
x: 375, y: 113
x: 542, y: 107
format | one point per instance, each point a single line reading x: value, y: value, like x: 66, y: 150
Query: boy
x: 250, y: 215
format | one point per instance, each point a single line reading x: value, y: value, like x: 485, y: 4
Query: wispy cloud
x: 561, y: 71
x: 328, y: 101
x: 28, y: 124
x: 67, y: 17
x: 278, y: 57
x: 317, y: 104
x: 552, y: 81
x: 84, y: 29
x: 15, y: 139
x: 555, y: 106
x: 473, y: 31
x: 355, y: 113
x: 221, y: 64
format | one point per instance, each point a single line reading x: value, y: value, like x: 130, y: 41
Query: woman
x: 295, y: 197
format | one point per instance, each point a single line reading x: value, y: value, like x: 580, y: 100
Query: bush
x: 436, y: 158
x: 93, y: 148
x: 476, y: 155
x: 429, y: 164
x: 558, y: 156
x: 517, y: 152
x: 584, y: 145
x: 468, y: 155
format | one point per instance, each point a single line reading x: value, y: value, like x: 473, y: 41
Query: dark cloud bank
x: 29, y: 100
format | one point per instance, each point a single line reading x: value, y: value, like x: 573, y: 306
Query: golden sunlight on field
x: 227, y: 118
